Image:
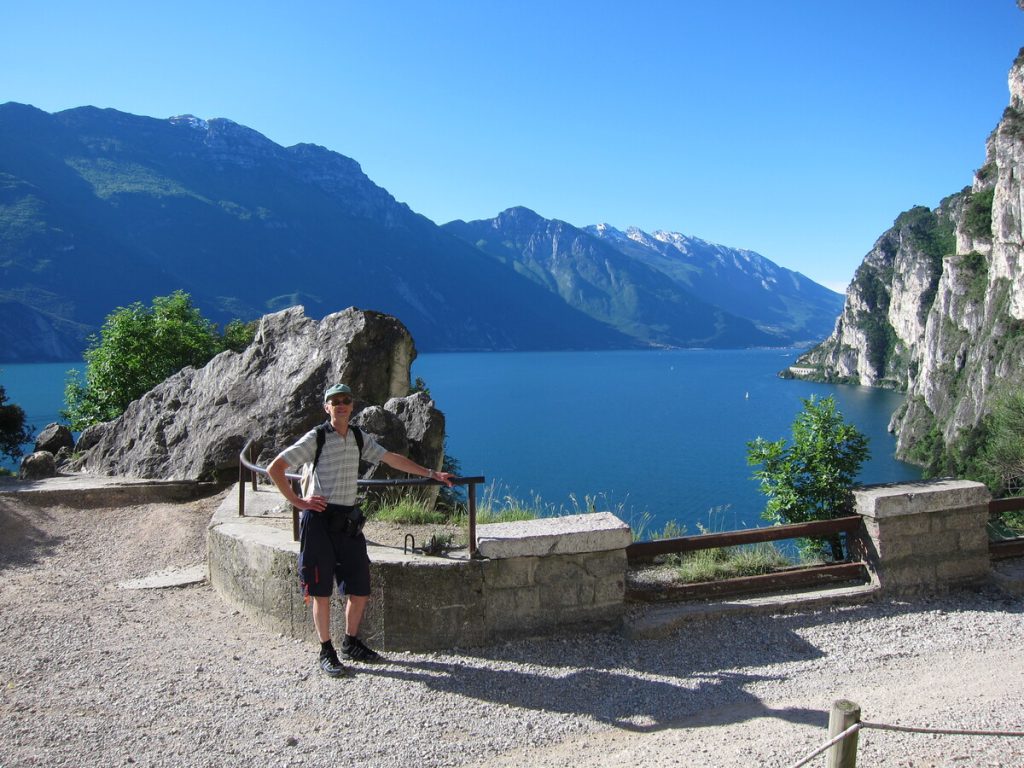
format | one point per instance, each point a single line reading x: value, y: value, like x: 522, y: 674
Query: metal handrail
x: 245, y: 465
x: 851, y: 569
x: 639, y: 550
x: 1009, y: 504
x: 1007, y: 547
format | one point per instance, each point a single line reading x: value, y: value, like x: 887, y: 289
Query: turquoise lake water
x: 656, y: 432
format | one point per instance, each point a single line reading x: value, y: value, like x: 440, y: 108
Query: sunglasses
x: 340, y: 401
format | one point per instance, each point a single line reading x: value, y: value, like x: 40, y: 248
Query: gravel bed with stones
x: 93, y: 674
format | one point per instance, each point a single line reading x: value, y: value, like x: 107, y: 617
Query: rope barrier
x: 830, y: 743
x: 903, y: 728
x: 946, y: 731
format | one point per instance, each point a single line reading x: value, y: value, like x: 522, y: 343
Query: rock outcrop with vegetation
x: 937, y: 307
x: 193, y: 425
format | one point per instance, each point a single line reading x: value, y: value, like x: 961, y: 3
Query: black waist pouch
x: 346, y: 520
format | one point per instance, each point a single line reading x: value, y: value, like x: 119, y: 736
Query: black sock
x: 326, y: 647
x: 349, y: 639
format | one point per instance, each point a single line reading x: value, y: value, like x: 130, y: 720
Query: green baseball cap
x: 337, y: 389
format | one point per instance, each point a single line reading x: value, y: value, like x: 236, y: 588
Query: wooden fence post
x: 843, y: 754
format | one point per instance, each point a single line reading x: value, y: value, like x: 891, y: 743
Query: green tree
x: 13, y: 432
x: 978, y: 213
x: 238, y: 335
x: 138, y: 347
x: 811, y: 479
x: 1002, y: 457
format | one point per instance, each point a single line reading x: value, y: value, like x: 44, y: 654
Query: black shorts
x: 328, y: 553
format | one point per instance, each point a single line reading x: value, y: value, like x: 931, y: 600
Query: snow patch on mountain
x: 191, y: 121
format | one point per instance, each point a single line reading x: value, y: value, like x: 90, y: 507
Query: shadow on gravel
x: 736, y: 641
x: 697, y: 677
x: 619, y: 698
x: 22, y: 542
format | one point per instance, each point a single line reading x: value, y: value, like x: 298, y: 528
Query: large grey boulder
x: 193, y: 425
x: 385, y: 427
x: 53, y: 438
x: 424, y: 427
x: 37, y: 466
x: 411, y: 426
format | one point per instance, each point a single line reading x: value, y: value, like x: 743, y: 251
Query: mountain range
x: 99, y: 209
x: 664, y: 288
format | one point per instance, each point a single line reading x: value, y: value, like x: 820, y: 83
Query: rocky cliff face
x: 937, y: 307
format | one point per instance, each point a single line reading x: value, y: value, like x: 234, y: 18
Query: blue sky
x: 796, y: 128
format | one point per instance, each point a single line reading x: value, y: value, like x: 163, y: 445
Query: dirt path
x: 94, y: 674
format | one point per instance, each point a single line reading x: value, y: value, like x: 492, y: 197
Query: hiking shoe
x: 357, y: 650
x: 331, y: 666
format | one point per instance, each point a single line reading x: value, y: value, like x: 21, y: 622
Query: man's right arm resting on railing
x: 277, y: 469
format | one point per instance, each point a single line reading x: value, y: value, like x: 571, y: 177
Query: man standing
x: 331, y: 543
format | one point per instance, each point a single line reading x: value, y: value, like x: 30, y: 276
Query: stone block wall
x: 536, y: 577
x: 553, y: 573
x: 254, y: 569
x: 527, y: 595
x: 925, y: 537
x: 421, y: 603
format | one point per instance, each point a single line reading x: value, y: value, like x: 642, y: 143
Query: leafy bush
x: 13, y: 431
x: 450, y: 498
x: 928, y: 451
x: 1003, y: 453
x: 978, y: 214
x: 138, y: 347
x: 1012, y: 123
x: 976, y: 267
x: 811, y: 479
x: 238, y: 335
x: 988, y: 172
x: 881, y: 340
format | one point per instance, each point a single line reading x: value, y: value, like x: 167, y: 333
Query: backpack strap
x: 321, y: 438
x: 357, y: 433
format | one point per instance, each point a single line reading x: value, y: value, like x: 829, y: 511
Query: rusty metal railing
x: 640, y: 550
x: 852, y: 569
x: 1011, y: 547
x: 248, y: 472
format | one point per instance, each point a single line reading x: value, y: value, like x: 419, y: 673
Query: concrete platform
x: 418, y: 602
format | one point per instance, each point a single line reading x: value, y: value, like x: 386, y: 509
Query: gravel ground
x: 95, y: 675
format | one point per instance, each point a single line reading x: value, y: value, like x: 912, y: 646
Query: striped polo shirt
x: 337, y: 472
